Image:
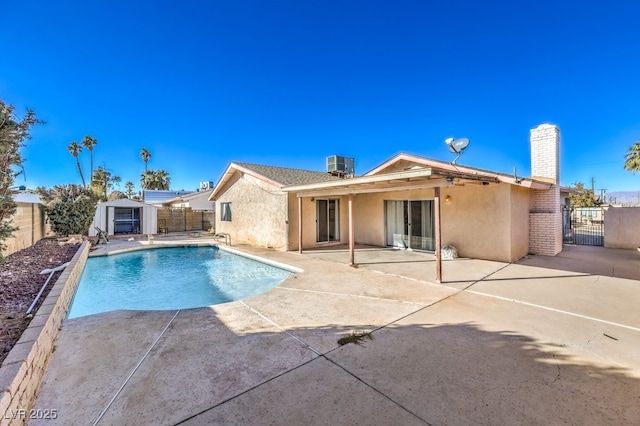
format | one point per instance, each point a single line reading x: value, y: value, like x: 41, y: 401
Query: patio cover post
x: 436, y: 202
x: 351, y: 233
x: 299, y: 224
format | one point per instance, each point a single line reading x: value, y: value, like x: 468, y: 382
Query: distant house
x: 157, y: 197
x: 408, y: 201
x: 198, y: 200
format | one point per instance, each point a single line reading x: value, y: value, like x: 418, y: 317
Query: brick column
x: 545, y: 217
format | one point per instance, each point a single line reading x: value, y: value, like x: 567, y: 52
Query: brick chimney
x: 545, y: 217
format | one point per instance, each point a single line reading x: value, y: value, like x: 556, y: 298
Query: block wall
x: 23, y: 370
x: 30, y: 219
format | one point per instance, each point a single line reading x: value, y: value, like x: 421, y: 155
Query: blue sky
x: 290, y: 82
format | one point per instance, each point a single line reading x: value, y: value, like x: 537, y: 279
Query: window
x: 225, y: 212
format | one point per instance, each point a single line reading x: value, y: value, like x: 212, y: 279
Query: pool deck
x: 541, y: 341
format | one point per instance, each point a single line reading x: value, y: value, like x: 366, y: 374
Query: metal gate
x: 583, y: 226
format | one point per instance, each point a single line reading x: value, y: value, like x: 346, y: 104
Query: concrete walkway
x: 496, y: 343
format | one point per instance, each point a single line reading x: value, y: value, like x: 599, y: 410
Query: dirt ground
x: 20, y: 282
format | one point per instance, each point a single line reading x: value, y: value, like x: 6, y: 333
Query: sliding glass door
x: 327, y: 220
x: 410, y: 224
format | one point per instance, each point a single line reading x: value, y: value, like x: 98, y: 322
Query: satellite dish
x: 456, y: 146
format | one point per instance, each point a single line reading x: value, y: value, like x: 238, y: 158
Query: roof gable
x: 277, y: 176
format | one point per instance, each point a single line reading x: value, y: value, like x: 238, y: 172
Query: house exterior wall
x: 258, y: 213
x: 622, y: 227
x: 30, y: 219
x: 309, y: 224
x: 479, y: 221
x: 486, y: 222
x: 521, y: 202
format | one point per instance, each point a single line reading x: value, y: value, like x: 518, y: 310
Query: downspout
x: 436, y: 202
x: 286, y: 220
x: 299, y: 224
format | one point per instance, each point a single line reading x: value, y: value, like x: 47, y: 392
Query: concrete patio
x: 541, y: 341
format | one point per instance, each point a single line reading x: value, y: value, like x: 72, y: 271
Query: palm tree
x: 632, y: 159
x: 75, y: 149
x: 128, y: 186
x: 103, y: 181
x: 145, y: 154
x: 147, y: 179
x: 155, y: 179
x: 99, y: 182
x: 89, y: 142
x: 163, y: 181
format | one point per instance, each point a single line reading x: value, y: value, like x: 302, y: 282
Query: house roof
x: 188, y: 197
x: 154, y: 196
x: 273, y: 175
x: 27, y: 197
x: 289, y: 176
x: 443, y: 167
x: 406, y: 171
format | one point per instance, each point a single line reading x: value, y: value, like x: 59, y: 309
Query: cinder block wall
x: 30, y: 219
x: 545, y: 217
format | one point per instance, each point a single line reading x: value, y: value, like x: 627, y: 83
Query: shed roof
x: 125, y: 202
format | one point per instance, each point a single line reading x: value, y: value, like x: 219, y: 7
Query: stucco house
x: 198, y: 200
x: 408, y: 202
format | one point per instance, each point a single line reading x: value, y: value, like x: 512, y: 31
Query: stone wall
x: 23, y: 369
x: 30, y: 219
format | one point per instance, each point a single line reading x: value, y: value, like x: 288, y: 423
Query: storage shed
x: 121, y: 217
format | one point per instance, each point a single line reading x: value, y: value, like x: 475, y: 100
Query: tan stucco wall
x: 622, y: 227
x: 259, y: 213
x: 477, y: 221
x: 485, y: 222
x: 30, y: 219
x: 309, y: 226
x: 520, y: 208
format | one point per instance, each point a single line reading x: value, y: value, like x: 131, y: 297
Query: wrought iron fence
x: 583, y: 226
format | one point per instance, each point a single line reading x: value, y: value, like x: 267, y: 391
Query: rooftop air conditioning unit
x: 206, y: 185
x: 341, y: 166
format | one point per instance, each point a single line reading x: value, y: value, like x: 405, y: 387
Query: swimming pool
x: 170, y: 278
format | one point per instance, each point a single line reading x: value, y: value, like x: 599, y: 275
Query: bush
x: 70, y: 208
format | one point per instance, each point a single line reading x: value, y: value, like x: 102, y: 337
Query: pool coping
x: 154, y: 246
x: 23, y: 369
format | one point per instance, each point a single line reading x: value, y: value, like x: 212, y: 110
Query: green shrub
x: 70, y: 208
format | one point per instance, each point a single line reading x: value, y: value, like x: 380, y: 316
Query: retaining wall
x: 23, y: 369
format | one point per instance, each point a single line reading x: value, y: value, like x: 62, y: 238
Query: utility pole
x: 593, y: 185
x: 602, y: 194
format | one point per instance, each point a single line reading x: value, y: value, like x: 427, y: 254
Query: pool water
x: 170, y: 278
